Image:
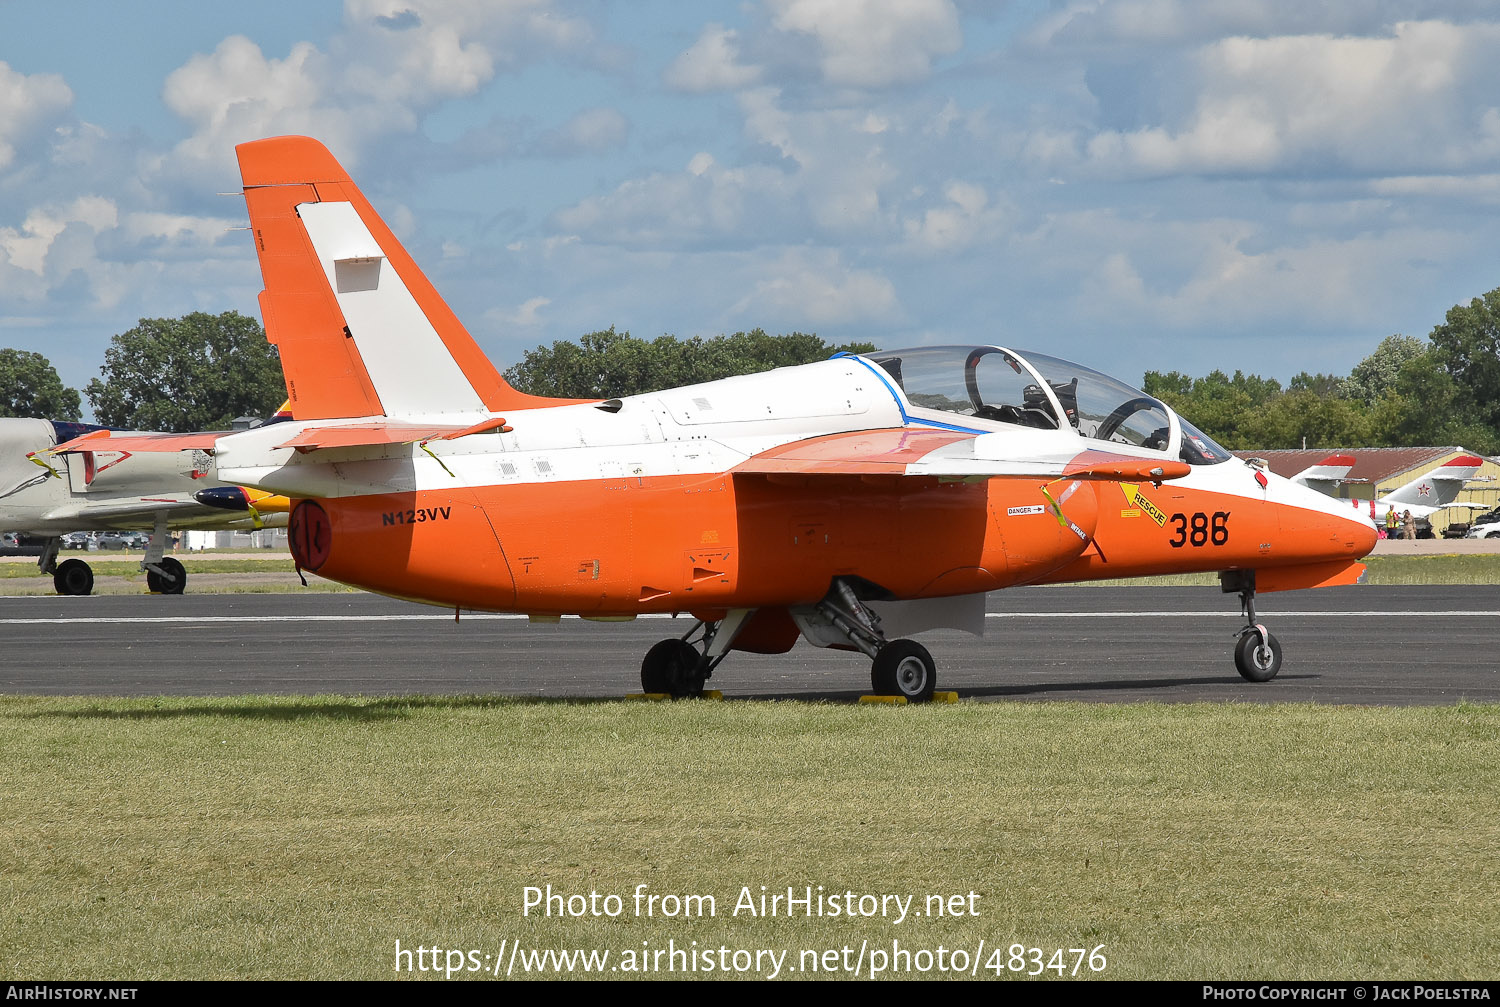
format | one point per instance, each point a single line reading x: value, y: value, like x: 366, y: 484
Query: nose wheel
x: 1257, y: 656
x: 1257, y: 653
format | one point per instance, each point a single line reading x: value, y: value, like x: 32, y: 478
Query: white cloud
x: 591, y: 131
x: 394, y: 60
x: 712, y: 64
x: 524, y: 316
x: 1461, y: 188
x: 1198, y: 275
x: 27, y: 247
x: 1418, y: 97
x: 704, y: 203
x: 873, y: 43
x: 1113, y: 23
x: 28, y: 103
x: 815, y: 285
x: 964, y: 218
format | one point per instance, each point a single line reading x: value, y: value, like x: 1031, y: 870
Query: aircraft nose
x: 1320, y: 527
x: 1364, y: 537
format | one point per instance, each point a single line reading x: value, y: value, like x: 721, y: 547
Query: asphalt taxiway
x: 1367, y: 645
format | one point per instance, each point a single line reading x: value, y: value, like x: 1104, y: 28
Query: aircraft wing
x: 906, y: 451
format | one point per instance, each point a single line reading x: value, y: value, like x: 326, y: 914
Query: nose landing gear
x: 1257, y: 653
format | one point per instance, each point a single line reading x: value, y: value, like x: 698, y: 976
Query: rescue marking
x: 1141, y: 504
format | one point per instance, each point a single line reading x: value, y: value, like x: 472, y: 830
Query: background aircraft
x: 1425, y: 495
x: 1327, y: 475
x: 848, y: 502
x: 49, y: 495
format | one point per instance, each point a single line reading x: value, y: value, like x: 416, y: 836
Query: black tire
x: 904, y: 668
x: 674, y: 667
x: 73, y: 576
x: 1257, y: 663
x: 173, y: 583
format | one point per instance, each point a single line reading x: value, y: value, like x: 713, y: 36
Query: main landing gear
x: 71, y: 576
x: 1257, y: 653
x: 679, y: 669
x: 899, y: 667
x: 164, y: 575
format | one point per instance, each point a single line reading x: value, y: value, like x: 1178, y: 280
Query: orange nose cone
x: 1365, y: 538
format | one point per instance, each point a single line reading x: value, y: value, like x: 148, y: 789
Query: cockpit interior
x: 996, y: 385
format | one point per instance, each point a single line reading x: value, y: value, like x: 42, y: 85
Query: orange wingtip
x: 497, y: 424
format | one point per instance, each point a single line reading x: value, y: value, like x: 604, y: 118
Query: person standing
x: 1408, y: 526
x: 1391, y: 521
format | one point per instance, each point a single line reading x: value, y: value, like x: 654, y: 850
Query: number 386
x: 1200, y: 529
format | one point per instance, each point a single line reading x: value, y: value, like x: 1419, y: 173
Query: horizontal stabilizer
x: 381, y: 434
x: 105, y: 440
x: 124, y: 508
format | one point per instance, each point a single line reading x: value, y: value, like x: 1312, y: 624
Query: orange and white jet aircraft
x: 847, y: 502
x: 112, y: 489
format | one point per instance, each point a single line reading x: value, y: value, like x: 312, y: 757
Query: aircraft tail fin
x: 1438, y: 487
x: 361, y: 331
x: 1326, y: 475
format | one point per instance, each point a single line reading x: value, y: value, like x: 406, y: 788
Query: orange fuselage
x: 707, y: 543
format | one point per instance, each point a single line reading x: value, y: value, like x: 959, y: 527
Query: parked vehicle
x: 1486, y: 525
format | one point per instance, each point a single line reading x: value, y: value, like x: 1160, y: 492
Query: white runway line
x: 498, y: 616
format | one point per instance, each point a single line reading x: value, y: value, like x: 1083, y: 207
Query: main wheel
x: 73, y: 576
x: 904, y: 668
x: 674, y: 667
x: 173, y: 583
x: 1257, y: 662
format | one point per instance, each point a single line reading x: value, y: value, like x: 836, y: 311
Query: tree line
x: 197, y: 372
x: 201, y: 371
x: 1441, y: 390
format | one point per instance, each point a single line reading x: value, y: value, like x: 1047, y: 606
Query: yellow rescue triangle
x: 1134, y: 498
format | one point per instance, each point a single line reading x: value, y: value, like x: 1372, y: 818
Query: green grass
x: 302, y: 837
x: 1441, y: 569
x: 132, y: 567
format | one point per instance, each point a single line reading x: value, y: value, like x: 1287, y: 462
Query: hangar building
x: 1378, y: 471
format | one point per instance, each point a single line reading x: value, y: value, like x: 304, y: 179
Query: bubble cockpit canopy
x: 1036, y: 390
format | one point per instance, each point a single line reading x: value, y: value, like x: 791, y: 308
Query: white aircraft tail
x: 360, y: 329
x: 1438, y: 487
x: 1325, y: 476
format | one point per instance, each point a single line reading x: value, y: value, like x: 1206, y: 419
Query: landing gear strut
x: 899, y: 667
x: 1257, y: 653
x: 679, y: 669
x: 164, y: 575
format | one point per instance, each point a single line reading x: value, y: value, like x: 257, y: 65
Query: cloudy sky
x: 1138, y: 184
